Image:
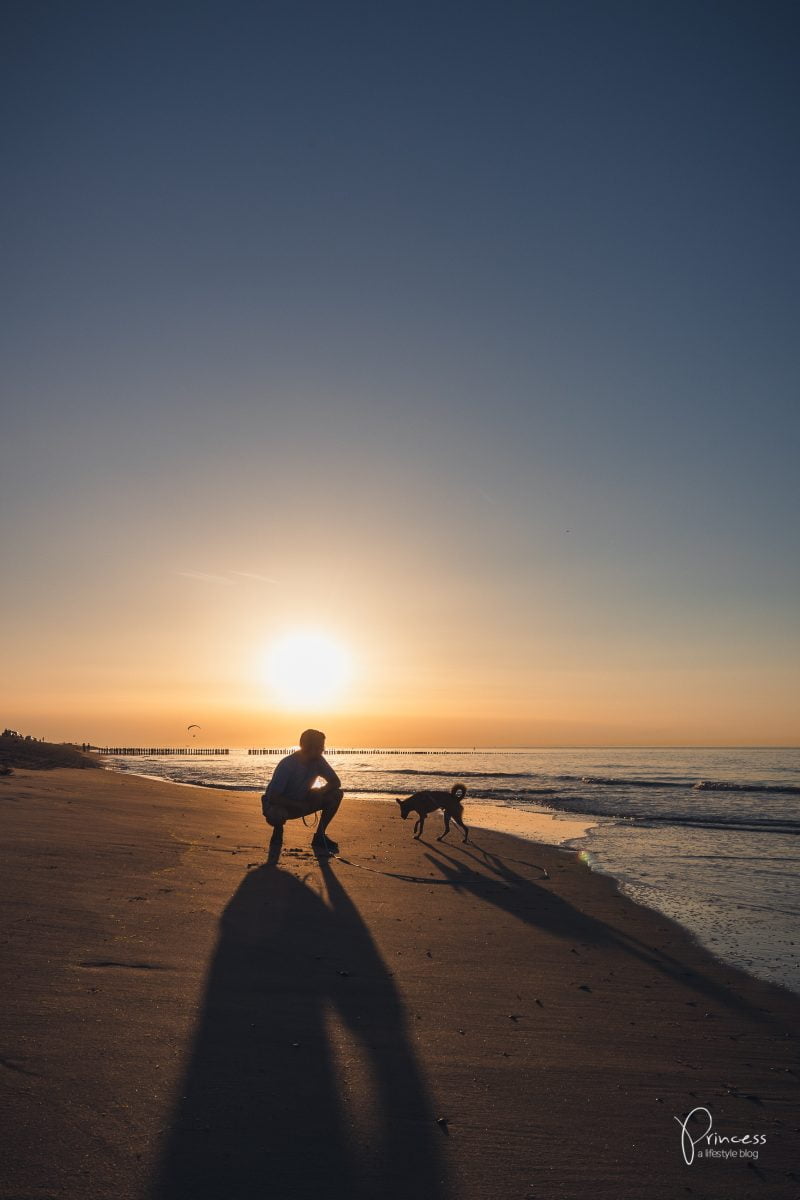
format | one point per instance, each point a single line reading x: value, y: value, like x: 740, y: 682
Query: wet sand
x: 427, y: 1019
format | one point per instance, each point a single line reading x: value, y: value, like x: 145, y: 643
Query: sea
x: 708, y: 837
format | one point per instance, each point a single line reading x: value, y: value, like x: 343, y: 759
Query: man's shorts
x: 289, y: 810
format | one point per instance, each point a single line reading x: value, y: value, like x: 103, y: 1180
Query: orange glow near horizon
x: 447, y: 662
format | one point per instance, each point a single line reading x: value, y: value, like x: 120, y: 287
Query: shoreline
x: 174, y: 1007
x: 549, y: 826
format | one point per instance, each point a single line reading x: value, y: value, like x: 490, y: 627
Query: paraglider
x: 188, y: 727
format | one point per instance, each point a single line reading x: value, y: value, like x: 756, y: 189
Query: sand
x: 431, y: 1020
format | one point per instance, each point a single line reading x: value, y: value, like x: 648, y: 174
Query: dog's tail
x: 458, y: 790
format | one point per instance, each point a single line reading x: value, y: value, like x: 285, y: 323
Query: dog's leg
x: 416, y: 827
x: 459, y: 820
x: 446, y: 816
x: 421, y: 823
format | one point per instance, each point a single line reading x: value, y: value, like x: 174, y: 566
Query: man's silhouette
x: 291, y: 793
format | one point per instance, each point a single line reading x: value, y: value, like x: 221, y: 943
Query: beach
x: 708, y: 837
x: 445, y: 1020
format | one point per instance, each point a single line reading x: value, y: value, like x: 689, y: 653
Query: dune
x: 41, y: 756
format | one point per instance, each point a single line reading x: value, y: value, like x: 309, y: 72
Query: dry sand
x: 429, y: 1020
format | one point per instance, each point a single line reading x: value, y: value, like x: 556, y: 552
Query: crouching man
x: 291, y: 793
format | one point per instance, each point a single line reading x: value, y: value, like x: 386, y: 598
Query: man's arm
x: 328, y: 774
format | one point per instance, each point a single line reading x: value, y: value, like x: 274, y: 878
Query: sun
x: 305, y: 669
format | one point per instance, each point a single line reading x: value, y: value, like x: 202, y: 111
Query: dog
x: 425, y: 803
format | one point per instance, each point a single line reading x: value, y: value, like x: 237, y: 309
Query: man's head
x: 312, y: 742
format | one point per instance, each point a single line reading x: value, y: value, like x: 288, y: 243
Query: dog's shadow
x: 534, y: 901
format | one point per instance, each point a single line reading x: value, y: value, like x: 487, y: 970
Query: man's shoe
x: 321, y: 842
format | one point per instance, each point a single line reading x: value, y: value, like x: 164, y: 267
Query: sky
x: 461, y: 334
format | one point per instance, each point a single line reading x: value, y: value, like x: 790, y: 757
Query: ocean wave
x: 727, y: 821
x: 483, y: 794
x: 740, y: 824
x: 376, y: 790
x: 613, y: 781
x: 702, y: 785
x: 216, y: 785
x: 464, y: 774
x: 713, y: 785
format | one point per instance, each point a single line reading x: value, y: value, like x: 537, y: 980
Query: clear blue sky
x: 436, y: 283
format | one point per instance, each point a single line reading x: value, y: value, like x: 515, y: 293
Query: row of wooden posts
x: 331, y: 752
x: 197, y: 752
x: 151, y: 752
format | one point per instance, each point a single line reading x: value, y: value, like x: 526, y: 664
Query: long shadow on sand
x: 264, y: 1110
